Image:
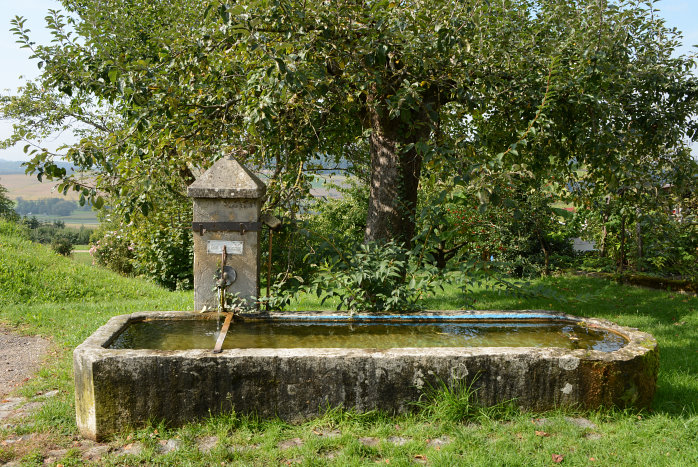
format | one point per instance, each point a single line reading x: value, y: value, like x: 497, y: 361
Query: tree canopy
x: 587, y: 92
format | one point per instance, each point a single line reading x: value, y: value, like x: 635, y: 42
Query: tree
x: 7, y: 206
x: 457, y: 88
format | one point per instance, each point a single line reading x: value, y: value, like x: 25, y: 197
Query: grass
x: 66, y: 301
x: 82, y: 257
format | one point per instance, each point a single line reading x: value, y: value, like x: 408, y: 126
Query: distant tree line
x: 48, y: 206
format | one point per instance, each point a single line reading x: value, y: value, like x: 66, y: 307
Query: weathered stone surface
x: 168, y: 445
x: 133, y: 449
x: 399, y: 440
x: 116, y: 389
x: 227, y: 178
x: 54, y: 455
x: 581, y: 422
x: 96, y: 452
x: 369, y: 441
x: 17, y: 407
x: 328, y: 433
x: 206, y: 264
x: 439, y: 442
x: 290, y: 443
x: 207, y: 443
x: 49, y: 394
x: 9, y: 406
x: 227, y: 192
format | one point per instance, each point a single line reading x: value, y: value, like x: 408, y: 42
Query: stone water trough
x: 117, y: 389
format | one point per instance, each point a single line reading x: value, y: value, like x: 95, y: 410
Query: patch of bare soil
x: 19, y: 358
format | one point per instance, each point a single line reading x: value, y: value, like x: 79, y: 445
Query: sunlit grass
x: 85, y: 297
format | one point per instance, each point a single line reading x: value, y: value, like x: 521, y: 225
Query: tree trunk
x: 546, y: 254
x: 638, y: 234
x: 604, y: 229
x: 621, y: 253
x: 394, y: 178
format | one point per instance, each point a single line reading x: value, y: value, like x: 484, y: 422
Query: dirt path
x: 19, y: 358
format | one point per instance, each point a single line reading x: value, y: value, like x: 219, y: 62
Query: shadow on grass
x: 672, y: 318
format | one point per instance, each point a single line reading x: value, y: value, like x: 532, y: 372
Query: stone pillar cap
x: 227, y: 178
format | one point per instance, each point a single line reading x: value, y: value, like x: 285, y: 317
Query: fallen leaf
x: 557, y: 458
x: 592, y: 459
x: 519, y: 435
x: 542, y: 433
x: 420, y: 457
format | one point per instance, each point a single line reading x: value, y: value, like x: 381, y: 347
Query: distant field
x: 28, y: 187
x: 321, y: 186
x: 78, y: 218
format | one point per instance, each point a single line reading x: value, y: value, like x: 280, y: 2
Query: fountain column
x: 227, y: 202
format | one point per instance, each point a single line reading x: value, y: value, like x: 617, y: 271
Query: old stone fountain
x: 281, y: 364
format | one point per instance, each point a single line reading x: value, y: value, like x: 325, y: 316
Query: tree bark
x: 604, y: 229
x: 621, y: 262
x: 638, y: 235
x: 546, y: 253
x: 395, y: 176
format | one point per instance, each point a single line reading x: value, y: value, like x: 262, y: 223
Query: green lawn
x: 82, y: 257
x: 66, y: 301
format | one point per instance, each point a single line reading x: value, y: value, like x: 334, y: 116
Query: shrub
x: 112, y: 249
x: 166, y: 255
x: 343, y: 220
x: 517, y: 228
x: 62, y: 245
x: 378, y: 277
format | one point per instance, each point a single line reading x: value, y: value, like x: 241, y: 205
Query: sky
x: 15, y: 63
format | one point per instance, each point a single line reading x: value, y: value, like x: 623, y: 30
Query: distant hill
x: 28, y: 187
x: 19, y: 184
x: 16, y: 168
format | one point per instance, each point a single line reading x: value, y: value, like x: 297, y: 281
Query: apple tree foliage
x: 583, y: 93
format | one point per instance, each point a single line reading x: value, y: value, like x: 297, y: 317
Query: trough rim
x: 638, y: 342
